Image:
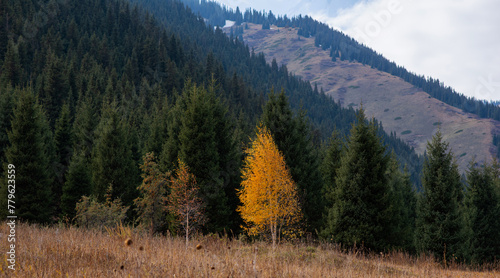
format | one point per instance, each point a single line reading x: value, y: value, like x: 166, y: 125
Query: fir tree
x: 199, y: 149
x: 292, y: 135
x: 54, y: 88
x: 6, y: 110
x: 330, y: 164
x: 482, y: 211
x: 150, y: 205
x: 29, y: 152
x: 159, y: 127
x: 77, y: 184
x: 438, y: 224
x: 361, y: 211
x: 404, y: 204
x: 63, y: 136
x: 84, y: 126
x: 11, y: 69
x: 112, y: 161
x: 329, y: 167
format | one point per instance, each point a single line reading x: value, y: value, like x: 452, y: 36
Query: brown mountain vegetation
x: 402, y: 108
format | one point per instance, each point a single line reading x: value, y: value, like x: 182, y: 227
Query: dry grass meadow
x: 74, y: 252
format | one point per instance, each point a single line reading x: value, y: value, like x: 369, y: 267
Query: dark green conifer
x: 63, y: 136
x: 6, y: 110
x: 29, y: 151
x: 11, y: 69
x: 199, y: 149
x: 112, y: 161
x: 439, y: 224
x: 404, y: 205
x: 292, y: 135
x: 361, y: 211
x: 482, y: 215
x: 77, y: 184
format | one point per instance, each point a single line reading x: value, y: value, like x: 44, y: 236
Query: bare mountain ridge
x: 401, y: 107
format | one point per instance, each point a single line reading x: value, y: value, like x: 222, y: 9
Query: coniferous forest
x: 110, y: 108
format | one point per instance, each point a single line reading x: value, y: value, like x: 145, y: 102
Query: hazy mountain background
x: 454, y: 41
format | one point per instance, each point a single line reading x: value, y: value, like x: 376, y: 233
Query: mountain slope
x: 401, y: 107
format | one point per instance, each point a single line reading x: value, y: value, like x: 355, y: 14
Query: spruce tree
x: 112, y: 161
x: 361, y: 211
x: 439, y: 224
x: 6, y: 110
x: 199, y: 147
x: 404, y: 205
x: 11, y: 69
x: 329, y: 167
x: 63, y: 136
x: 158, y: 132
x: 77, y: 184
x: 84, y: 126
x: 330, y: 164
x: 292, y: 135
x: 29, y: 151
x: 482, y: 215
x: 54, y: 87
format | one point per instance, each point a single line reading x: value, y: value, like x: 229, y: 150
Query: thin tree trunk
x: 273, y: 234
x: 187, y: 230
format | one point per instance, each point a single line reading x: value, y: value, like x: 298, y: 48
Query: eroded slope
x: 402, y: 108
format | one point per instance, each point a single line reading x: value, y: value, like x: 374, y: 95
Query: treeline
x: 96, y: 85
x: 251, y: 68
x: 106, y: 82
x: 343, y: 47
x: 370, y: 203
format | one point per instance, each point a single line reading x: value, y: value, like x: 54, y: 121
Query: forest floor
x: 60, y: 251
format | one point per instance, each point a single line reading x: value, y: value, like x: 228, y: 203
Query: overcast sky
x: 457, y: 41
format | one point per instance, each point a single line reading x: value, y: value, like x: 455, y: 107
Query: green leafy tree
x: 439, y: 223
x: 29, y: 152
x: 482, y: 211
x: 361, y: 211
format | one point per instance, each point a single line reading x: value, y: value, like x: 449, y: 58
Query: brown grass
x: 74, y: 252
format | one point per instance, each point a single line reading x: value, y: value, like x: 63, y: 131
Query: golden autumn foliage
x: 268, y: 194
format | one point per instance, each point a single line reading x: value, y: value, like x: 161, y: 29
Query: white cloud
x: 456, y: 41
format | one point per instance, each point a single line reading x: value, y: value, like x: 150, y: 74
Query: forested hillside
x: 343, y: 47
x: 114, y: 102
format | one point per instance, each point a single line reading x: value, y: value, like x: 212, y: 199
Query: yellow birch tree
x: 268, y: 194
